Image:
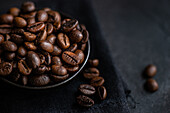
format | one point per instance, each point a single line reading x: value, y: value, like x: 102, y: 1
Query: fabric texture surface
x: 63, y: 98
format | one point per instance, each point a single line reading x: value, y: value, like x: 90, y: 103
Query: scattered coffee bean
x: 14, y: 11
x: 94, y: 62
x: 71, y: 68
x: 102, y: 92
x: 19, y: 22
x: 97, y: 81
x: 87, y: 89
x: 150, y: 70
x: 85, y: 101
x: 91, y: 73
x: 151, y: 85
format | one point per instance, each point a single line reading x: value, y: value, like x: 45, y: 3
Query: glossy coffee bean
x: 73, y: 47
x: 85, y: 101
x: 22, y: 51
x: 14, y: 11
x: 41, y: 69
x: 91, y: 73
x: 24, y: 80
x: 5, y: 68
x: 1, y: 39
x: 59, y: 78
x: 9, y: 46
x: 151, y: 85
x: 49, y: 28
x: 31, y: 20
x: 80, y: 55
x: 27, y: 7
x: 42, y: 36
x: 71, y: 68
x: 6, y: 18
x: 36, y: 27
x: 83, y: 47
x: 150, y: 70
x: 53, y: 16
x: 70, y: 58
x: 85, y: 36
x: 63, y: 41
x: 28, y: 15
x: 46, y: 9
x: 42, y: 16
x: 19, y: 22
x: 39, y: 80
x: 57, y: 26
x: 56, y: 61
x: 47, y: 59
x: 51, y: 38
x: 46, y: 46
x: 57, y: 51
x: 29, y: 36
x: 97, y: 81
x: 42, y: 58
x: 9, y: 55
x: 76, y: 36
x: 59, y: 70
x: 94, y: 62
x: 102, y: 92
x: 18, y: 39
x: 23, y: 68
x: 18, y: 31
x: 87, y: 89
x: 33, y: 59
x: 69, y: 24
x: 30, y: 46
x: 5, y: 29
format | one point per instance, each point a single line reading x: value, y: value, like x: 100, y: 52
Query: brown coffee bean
x: 42, y: 16
x: 151, y: 85
x: 5, y: 29
x: 18, y: 39
x: 29, y: 36
x: 97, y: 81
x: 83, y: 47
x: 76, y: 36
x: 69, y: 24
x: 46, y: 46
x: 36, y: 27
x: 19, y: 22
x: 47, y: 59
x: 46, y: 9
x: 49, y: 28
x: 30, y: 46
x: 33, y: 60
x: 42, y: 36
x: 5, y: 68
x: 150, y: 70
x: 59, y: 78
x: 22, y: 51
x: 102, y: 92
x: 85, y: 36
x: 57, y: 26
x: 23, y: 68
x: 53, y: 16
x: 87, y: 89
x: 39, y: 80
x: 1, y: 39
x: 42, y: 58
x: 70, y: 58
x: 57, y: 51
x: 94, y: 62
x: 14, y: 11
x: 6, y: 19
x: 27, y: 7
x: 63, y: 41
x: 72, y: 48
x: 91, y: 73
x: 59, y: 70
x: 41, y: 69
x: 9, y: 46
x: 71, y: 68
x: 85, y: 101
x: 9, y: 55
x: 28, y: 15
x: 80, y: 55
x: 24, y: 80
x: 31, y: 20
x: 56, y: 61
x: 51, y: 38
x: 18, y: 31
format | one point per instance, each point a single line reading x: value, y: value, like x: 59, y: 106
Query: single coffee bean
x: 59, y: 78
x: 19, y: 22
x: 73, y: 47
x: 46, y: 9
x: 42, y: 36
x: 102, y: 92
x: 56, y: 61
x: 42, y: 58
x: 42, y: 16
x: 9, y: 46
x: 29, y: 36
x: 150, y: 70
x: 57, y: 26
x: 9, y: 55
x: 46, y: 46
x: 30, y: 46
x: 70, y: 58
x: 49, y: 28
x: 63, y: 41
x: 18, y: 39
x: 87, y: 89
x: 69, y: 24
x: 59, y: 70
x: 18, y: 31
x: 94, y: 62
x: 76, y: 36
x: 6, y: 18
x: 29, y: 15
x: 71, y: 68
x: 91, y: 73
x: 1, y: 39
x: 151, y: 85
x: 22, y: 51
x: 80, y: 55
x: 85, y: 36
x: 36, y: 27
x: 14, y: 11
x: 24, y: 80
x: 85, y: 101
x: 51, y: 38
x: 39, y: 80
x: 5, y: 29
x: 31, y: 20
x: 47, y: 58
x: 27, y: 7
x: 23, y: 68
x: 83, y: 47
x: 97, y: 81
x: 57, y: 51
x: 53, y: 16
x: 41, y: 69
x: 5, y: 68
x: 33, y: 59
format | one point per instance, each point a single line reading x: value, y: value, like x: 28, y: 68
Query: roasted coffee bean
x: 69, y: 24
x: 47, y: 59
x: 9, y: 46
x: 57, y: 26
x: 63, y: 41
x: 76, y: 36
x: 24, y: 80
x: 87, y: 89
x: 27, y: 7
x: 6, y: 19
x: 83, y: 47
x: 5, y: 68
x: 73, y: 47
x: 49, y: 28
x: 56, y: 61
x: 94, y: 62
x: 85, y: 101
x: 71, y: 68
x: 70, y: 58
x: 97, y: 81
x: 22, y: 51
x: 51, y: 38
x: 39, y: 80
x: 28, y: 15
x: 80, y: 55
x: 102, y: 92
x: 23, y: 68
x: 59, y: 70
x: 14, y: 11
x: 5, y: 29
x: 29, y: 36
x: 41, y: 69
x: 42, y: 16
x: 19, y: 31
x: 57, y: 51
x: 1, y: 39
x: 151, y: 85
x: 46, y: 9
x: 91, y: 73
x: 53, y: 16
x: 9, y: 55
x: 58, y: 78
x: 31, y: 20
x: 85, y: 36
x: 33, y: 60
x: 30, y: 46
x: 19, y: 22
x: 42, y: 36
x: 46, y: 46
x: 18, y: 39
x: 42, y: 58
x: 150, y: 70
x: 36, y: 27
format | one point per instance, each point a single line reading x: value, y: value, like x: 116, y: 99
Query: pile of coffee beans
x: 95, y: 86
x: 40, y: 47
x: 151, y: 85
